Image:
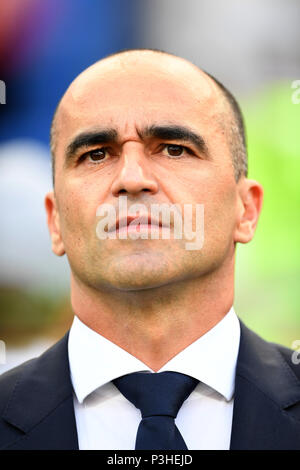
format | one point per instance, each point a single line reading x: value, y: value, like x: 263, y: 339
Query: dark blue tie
x: 159, y: 396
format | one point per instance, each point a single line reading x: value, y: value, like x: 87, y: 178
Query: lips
x: 140, y: 221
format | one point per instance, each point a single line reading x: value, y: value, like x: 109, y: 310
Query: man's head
x: 157, y: 129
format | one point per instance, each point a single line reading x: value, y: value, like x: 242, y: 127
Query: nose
x: 134, y: 174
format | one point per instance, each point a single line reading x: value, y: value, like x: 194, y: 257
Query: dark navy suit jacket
x: 37, y: 412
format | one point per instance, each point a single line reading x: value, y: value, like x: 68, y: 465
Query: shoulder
x: 36, y: 402
x: 10, y: 379
x: 9, y: 385
x: 53, y: 362
x: 38, y: 380
x: 255, y: 349
x: 268, y: 365
x: 290, y: 357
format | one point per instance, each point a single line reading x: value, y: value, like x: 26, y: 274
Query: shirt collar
x: 212, y: 358
x: 95, y: 361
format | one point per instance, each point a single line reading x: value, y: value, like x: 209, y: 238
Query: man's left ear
x: 250, y: 195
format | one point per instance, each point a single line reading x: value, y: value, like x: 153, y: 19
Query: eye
x: 173, y: 150
x: 95, y: 156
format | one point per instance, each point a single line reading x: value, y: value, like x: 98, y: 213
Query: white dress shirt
x: 106, y: 420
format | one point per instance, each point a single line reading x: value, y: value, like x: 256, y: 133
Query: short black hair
x: 236, y: 131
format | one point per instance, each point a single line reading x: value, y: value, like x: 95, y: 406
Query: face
x: 151, y: 130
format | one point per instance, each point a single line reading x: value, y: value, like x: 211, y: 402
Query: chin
x: 138, y: 272
x: 128, y: 285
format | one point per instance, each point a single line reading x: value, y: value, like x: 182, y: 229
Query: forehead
x: 136, y: 91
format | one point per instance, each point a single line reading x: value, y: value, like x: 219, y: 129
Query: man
x: 146, y: 127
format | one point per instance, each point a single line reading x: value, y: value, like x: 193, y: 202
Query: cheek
x: 77, y: 214
x: 221, y: 215
x: 219, y: 198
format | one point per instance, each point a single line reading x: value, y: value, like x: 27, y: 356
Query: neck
x: 156, y: 324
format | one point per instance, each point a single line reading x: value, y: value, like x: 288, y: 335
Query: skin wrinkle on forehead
x: 78, y: 99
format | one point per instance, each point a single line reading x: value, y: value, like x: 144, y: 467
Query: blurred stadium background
x: 251, y: 46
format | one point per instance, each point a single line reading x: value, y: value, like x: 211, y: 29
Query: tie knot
x: 155, y: 394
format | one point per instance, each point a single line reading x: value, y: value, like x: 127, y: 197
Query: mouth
x: 137, y: 224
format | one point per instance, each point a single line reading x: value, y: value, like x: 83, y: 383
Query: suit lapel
x: 41, y: 405
x: 267, y: 398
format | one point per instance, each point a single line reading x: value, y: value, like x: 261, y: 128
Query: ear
x: 53, y: 224
x: 250, y: 194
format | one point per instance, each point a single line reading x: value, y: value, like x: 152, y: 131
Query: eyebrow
x: 176, y: 132
x: 87, y: 139
x: 110, y: 135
